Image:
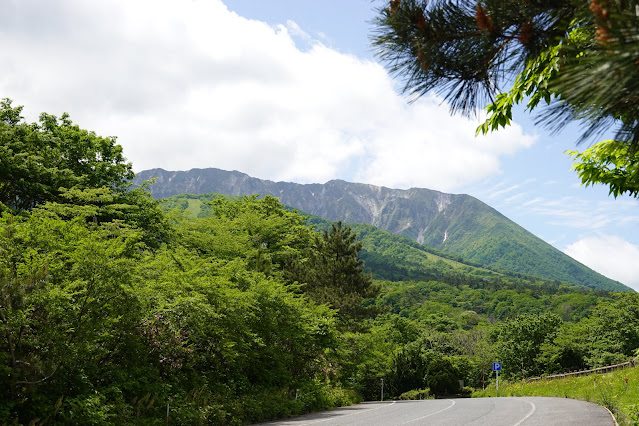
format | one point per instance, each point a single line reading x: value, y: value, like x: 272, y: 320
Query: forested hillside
x: 117, y: 309
x: 454, y: 223
x: 407, y: 266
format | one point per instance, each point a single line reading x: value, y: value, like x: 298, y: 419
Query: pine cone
x: 525, y: 35
x: 484, y: 22
x: 598, y: 8
x: 421, y: 20
x: 394, y: 5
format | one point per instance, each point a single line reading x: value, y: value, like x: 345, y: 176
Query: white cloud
x: 572, y: 212
x: 609, y: 255
x: 533, y: 201
x: 295, y: 30
x: 505, y: 191
x: 191, y: 84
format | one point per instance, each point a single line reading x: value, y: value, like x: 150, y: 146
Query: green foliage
x: 195, y: 205
x: 614, y: 329
x: 106, y: 330
x: 480, y: 236
x: 444, y: 313
x: 609, y: 163
x: 609, y: 391
x: 93, y: 319
x: 568, y: 350
x: 518, y: 343
x: 66, y: 299
x: 395, y: 258
x: 442, y: 376
x: 477, y: 232
x: 409, y: 369
x: 472, y: 302
x: 37, y: 159
x: 267, y: 235
x: 532, y: 84
x: 580, y: 57
x: 112, y: 310
x: 334, y: 274
x: 416, y: 394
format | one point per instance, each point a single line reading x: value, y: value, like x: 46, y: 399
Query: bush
x: 442, y: 377
x: 466, y: 391
x: 416, y: 394
x: 318, y: 396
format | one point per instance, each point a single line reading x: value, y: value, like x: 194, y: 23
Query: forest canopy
x: 116, y: 308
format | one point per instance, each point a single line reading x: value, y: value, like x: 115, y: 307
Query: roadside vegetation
x: 607, y: 389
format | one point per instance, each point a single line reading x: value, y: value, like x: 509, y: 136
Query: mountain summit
x: 454, y: 223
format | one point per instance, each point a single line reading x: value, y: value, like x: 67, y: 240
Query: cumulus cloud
x: 609, y: 255
x: 192, y: 84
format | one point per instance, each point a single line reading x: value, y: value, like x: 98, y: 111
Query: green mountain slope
x: 396, y: 257
x: 455, y: 223
x: 478, y: 232
x: 421, y: 282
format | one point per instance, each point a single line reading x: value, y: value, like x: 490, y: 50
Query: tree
x: 518, y: 342
x: 577, y: 57
x: 270, y: 236
x: 335, y: 275
x: 409, y: 369
x: 38, y: 159
x: 610, y: 163
x: 67, y: 313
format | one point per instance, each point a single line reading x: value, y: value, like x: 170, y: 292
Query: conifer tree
x: 581, y: 58
x: 336, y: 275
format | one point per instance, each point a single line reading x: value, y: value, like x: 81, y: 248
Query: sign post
x: 483, y: 381
x: 497, y: 369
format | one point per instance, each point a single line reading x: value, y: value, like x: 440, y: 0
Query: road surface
x: 524, y: 411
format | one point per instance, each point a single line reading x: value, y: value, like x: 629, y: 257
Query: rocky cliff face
x: 455, y: 223
x: 408, y: 213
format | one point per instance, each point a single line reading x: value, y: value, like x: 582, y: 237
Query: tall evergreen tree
x: 335, y: 275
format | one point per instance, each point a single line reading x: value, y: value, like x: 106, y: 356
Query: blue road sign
x: 496, y: 366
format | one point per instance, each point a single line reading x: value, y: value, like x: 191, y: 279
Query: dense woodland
x: 116, y: 307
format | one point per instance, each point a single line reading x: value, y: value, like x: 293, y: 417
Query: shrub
x: 416, y: 394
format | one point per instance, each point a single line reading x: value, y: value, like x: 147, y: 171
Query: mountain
x: 452, y: 223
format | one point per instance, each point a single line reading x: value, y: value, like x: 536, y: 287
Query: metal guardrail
x: 630, y: 364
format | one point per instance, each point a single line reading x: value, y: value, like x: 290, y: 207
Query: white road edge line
x: 431, y: 414
x: 527, y: 415
x: 352, y: 414
x: 612, y: 415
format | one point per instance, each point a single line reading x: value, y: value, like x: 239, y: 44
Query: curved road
x: 525, y: 411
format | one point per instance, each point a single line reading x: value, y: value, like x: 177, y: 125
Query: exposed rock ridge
x: 456, y: 223
x: 406, y: 212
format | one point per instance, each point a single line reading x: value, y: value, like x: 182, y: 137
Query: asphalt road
x: 525, y: 411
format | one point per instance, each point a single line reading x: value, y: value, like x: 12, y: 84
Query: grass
x: 194, y: 208
x: 607, y: 389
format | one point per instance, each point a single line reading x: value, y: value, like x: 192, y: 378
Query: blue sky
x: 290, y: 90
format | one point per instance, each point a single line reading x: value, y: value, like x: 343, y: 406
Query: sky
x: 291, y: 90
